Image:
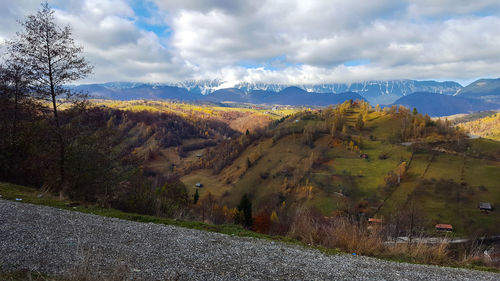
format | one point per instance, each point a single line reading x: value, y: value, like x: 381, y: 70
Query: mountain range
x: 443, y: 105
x: 486, y: 89
x: 376, y: 92
x: 431, y: 97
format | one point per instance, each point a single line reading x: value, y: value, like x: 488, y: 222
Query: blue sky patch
x: 356, y: 62
x: 149, y: 19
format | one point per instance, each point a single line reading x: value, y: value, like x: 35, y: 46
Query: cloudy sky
x: 278, y: 41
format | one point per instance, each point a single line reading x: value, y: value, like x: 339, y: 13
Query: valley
x: 298, y: 160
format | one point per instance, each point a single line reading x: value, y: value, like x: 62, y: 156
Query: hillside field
x: 332, y: 177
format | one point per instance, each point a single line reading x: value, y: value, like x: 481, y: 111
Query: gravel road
x: 56, y: 241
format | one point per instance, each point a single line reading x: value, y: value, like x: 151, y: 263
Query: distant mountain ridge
x: 438, y: 105
x: 130, y: 91
x: 376, y: 92
x: 288, y: 96
x: 382, y: 92
x: 484, y: 89
x: 481, y: 87
x: 431, y: 97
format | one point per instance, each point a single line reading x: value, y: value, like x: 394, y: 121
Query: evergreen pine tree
x: 245, y: 210
x: 196, y: 196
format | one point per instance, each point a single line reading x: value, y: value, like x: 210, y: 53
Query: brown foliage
x: 262, y: 222
x: 311, y: 227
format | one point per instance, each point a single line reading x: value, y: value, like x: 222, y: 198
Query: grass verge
x: 33, y: 196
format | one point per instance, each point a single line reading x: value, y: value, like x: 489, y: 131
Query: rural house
x: 444, y: 227
x: 485, y: 206
x: 374, y: 221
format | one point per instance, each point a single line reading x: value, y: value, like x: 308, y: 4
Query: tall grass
x: 311, y: 227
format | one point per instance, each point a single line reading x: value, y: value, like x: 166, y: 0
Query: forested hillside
x: 486, y: 127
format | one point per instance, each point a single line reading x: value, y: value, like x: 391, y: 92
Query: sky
x: 277, y: 41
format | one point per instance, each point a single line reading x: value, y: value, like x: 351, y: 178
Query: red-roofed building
x: 444, y: 227
x: 374, y: 220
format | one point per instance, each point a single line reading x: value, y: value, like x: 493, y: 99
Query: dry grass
x: 338, y: 232
x: 312, y: 228
x: 420, y: 252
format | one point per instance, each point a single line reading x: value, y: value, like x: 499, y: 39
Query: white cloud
x: 447, y: 8
x: 399, y: 41
x: 10, y: 14
x: 286, y: 41
x: 235, y: 6
x: 119, y: 49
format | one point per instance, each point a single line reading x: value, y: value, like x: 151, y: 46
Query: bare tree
x: 409, y: 220
x: 53, y: 60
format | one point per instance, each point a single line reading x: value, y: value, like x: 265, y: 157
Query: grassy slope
x: 320, y: 187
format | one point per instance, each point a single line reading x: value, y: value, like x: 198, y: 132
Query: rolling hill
x: 301, y: 171
x: 328, y: 173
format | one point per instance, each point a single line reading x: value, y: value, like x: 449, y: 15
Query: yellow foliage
x: 274, y: 217
x: 487, y: 127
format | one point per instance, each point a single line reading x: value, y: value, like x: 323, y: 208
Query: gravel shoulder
x: 55, y: 241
